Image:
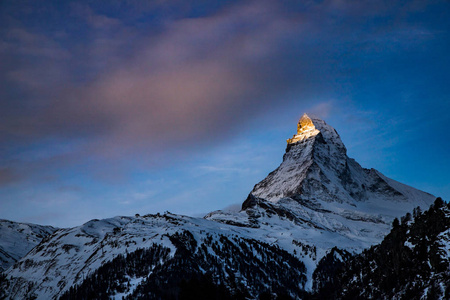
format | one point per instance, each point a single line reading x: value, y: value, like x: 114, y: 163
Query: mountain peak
x: 317, y: 172
x: 305, y: 123
x: 305, y: 128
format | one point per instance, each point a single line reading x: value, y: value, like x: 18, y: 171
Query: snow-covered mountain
x: 317, y: 199
x: 319, y: 187
x: 316, y: 170
x: 71, y: 255
x: 16, y: 239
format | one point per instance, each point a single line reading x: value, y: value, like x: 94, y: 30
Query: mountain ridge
x: 18, y: 238
x: 317, y: 199
x: 318, y: 182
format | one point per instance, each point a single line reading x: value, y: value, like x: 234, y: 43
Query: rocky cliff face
x: 316, y: 169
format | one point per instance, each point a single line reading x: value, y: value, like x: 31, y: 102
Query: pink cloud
x: 191, y: 82
x: 195, y: 81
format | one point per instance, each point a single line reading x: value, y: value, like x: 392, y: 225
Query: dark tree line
x: 114, y: 277
x: 408, y: 264
x: 217, y: 267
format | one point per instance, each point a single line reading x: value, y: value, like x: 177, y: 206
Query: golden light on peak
x: 305, y: 124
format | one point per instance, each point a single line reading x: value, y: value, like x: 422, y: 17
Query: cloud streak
x: 118, y: 107
x: 122, y: 88
x: 196, y: 80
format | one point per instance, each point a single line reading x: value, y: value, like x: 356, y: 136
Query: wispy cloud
x: 8, y: 175
x: 100, y: 90
x: 192, y: 82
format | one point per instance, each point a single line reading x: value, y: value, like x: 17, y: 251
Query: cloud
x: 7, y: 176
x: 323, y: 109
x: 123, y: 88
x: 98, y: 97
x: 26, y: 43
x: 97, y: 21
x: 193, y: 82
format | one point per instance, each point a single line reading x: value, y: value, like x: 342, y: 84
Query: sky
x: 121, y: 107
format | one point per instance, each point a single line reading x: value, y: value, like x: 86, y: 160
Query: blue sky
x: 121, y: 107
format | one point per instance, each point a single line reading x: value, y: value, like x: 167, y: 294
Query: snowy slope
x: 71, y: 255
x: 328, y: 196
x: 317, y: 170
x: 324, y: 189
x: 16, y: 239
x: 412, y: 262
x: 317, y: 199
x: 317, y: 182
